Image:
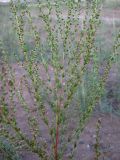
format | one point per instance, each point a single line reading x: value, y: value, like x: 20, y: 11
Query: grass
x: 7, y: 34
x: 112, y: 4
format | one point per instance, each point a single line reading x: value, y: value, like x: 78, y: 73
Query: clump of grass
x: 8, y: 149
x: 112, y: 4
x: 72, y: 54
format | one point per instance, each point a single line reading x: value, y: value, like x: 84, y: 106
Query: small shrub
x: 52, y: 84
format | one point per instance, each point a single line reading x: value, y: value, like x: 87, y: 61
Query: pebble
x: 88, y: 146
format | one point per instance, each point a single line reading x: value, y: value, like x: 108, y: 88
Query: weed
x: 53, y: 84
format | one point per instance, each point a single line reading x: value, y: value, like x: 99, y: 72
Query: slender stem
x: 57, y: 142
x: 57, y: 132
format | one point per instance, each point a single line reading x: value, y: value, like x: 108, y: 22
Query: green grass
x: 112, y: 4
x: 7, y: 33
